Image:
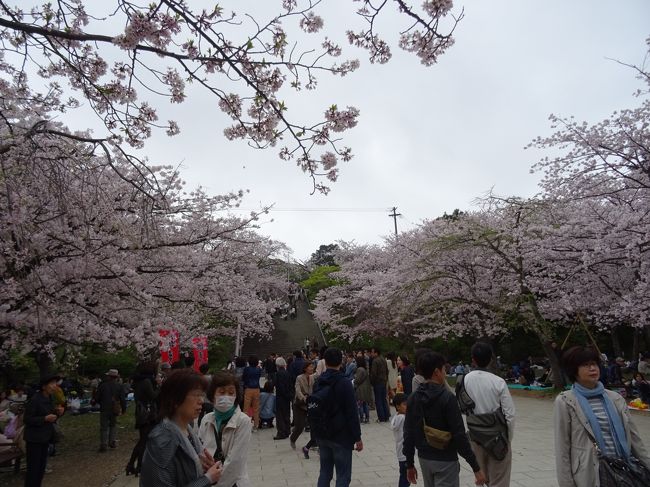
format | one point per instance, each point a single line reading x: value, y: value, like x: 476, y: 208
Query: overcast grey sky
x: 429, y: 139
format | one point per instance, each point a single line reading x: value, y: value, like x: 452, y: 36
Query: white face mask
x: 224, y: 403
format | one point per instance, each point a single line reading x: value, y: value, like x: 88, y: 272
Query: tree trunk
x: 616, y: 343
x: 44, y: 363
x: 556, y: 368
x: 636, y: 343
x: 646, y: 329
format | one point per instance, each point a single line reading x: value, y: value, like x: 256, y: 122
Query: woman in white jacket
x: 226, y: 432
x: 589, y: 415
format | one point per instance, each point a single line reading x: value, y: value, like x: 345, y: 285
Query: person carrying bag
x: 485, y: 400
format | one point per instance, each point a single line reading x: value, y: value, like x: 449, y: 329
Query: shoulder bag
x: 616, y: 472
x: 490, y: 430
x: 436, y: 438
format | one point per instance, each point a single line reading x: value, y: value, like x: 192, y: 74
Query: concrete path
x: 273, y: 463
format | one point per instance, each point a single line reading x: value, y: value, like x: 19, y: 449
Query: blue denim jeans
x: 381, y: 403
x: 334, y: 455
x: 403, y: 481
x: 364, y: 411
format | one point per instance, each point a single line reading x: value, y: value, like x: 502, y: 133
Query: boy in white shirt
x: 397, y: 425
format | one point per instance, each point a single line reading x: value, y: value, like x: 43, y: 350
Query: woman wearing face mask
x: 174, y: 456
x: 226, y: 432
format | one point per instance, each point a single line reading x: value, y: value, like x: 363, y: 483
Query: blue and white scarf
x: 615, y: 423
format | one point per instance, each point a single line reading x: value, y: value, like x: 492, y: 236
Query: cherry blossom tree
x: 150, y: 53
x: 97, y: 249
x: 603, y: 172
x: 576, y: 253
x: 100, y: 246
x: 482, y: 274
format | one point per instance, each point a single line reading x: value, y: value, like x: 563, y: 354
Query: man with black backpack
x: 334, y: 421
x: 485, y: 399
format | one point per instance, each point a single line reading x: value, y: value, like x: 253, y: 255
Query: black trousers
x: 283, y: 417
x: 36, y: 458
x: 138, y: 449
x: 299, y: 423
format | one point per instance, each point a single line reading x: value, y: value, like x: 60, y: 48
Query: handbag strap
x: 218, y: 453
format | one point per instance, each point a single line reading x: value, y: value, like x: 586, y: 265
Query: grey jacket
x: 362, y: 388
x: 576, y: 459
x: 166, y: 461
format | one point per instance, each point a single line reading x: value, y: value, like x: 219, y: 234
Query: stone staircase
x: 288, y: 335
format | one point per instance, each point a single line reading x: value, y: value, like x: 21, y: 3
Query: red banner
x: 170, y: 347
x: 200, y: 348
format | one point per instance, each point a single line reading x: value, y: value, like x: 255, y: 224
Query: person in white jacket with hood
x: 226, y: 432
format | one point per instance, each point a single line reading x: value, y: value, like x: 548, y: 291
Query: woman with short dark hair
x: 226, y: 431
x: 145, y: 392
x: 587, y: 416
x: 304, y: 388
x: 174, y: 456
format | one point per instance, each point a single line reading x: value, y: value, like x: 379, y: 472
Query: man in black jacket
x: 345, y: 430
x: 40, y: 416
x: 295, y: 369
x: 378, y: 380
x: 112, y: 403
x: 284, y: 391
x: 434, y: 405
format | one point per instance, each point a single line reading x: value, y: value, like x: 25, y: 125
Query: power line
x: 347, y: 210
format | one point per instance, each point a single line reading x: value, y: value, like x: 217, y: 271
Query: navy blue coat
x: 346, y: 404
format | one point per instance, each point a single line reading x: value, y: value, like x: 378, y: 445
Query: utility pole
x: 394, y: 216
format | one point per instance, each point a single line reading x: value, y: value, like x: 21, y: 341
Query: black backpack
x: 323, y: 411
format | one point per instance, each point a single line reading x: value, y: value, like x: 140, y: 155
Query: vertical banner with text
x: 200, y: 348
x: 170, y: 347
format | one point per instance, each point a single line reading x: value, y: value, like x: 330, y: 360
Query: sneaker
x: 113, y: 444
x: 305, y: 451
x: 293, y: 444
x: 102, y: 449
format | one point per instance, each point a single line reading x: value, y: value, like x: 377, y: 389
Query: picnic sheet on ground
x: 529, y: 388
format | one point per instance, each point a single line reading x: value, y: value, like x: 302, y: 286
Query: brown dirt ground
x: 77, y: 462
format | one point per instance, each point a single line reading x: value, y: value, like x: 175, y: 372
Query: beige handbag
x: 436, y: 438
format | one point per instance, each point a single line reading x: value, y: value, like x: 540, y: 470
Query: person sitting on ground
x: 644, y: 364
x: 642, y: 387
x: 174, y: 455
x: 267, y: 406
x: 226, y: 432
x: 615, y: 373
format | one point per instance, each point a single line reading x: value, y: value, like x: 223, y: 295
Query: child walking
x: 397, y: 425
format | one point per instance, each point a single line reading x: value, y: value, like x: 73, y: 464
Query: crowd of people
x: 195, y: 427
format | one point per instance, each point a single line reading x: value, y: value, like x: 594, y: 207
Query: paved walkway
x: 274, y: 464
